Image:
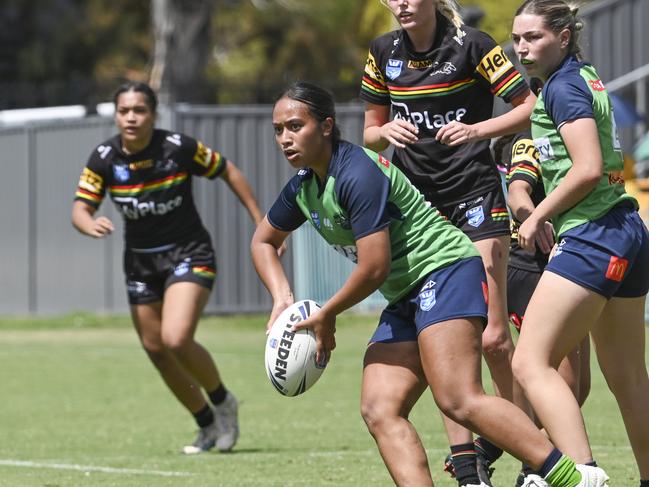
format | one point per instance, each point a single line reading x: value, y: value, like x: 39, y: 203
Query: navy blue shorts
x: 455, y: 291
x: 609, y: 255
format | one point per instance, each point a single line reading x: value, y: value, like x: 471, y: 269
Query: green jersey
x: 575, y: 91
x: 364, y: 193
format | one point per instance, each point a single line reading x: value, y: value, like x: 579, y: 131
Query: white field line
x: 90, y: 468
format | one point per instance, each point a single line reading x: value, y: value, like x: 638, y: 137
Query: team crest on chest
x: 121, y: 173
x: 393, y: 69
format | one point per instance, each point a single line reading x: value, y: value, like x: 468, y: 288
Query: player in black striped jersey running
x: 439, y: 79
x: 168, y: 256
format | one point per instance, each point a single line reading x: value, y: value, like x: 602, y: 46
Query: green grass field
x: 82, y: 405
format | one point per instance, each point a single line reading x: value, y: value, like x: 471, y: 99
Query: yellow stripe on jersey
x: 525, y: 151
x: 372, y: 70
x: 133, y: 189
x: 494, y: 65
x: 91, y: 181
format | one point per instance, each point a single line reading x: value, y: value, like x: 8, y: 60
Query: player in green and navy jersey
x: 598, y: 277
x: 429, y: 335
x: 525, y: 191
x: 168, y: 256
x: 439, y: 79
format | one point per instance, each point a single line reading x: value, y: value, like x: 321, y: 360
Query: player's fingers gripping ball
x: 291, y: 356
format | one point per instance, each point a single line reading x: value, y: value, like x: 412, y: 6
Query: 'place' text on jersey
x: 456, y: 79
x: 151, y: 189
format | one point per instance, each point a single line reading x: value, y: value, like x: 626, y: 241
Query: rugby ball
x: 290, y: 356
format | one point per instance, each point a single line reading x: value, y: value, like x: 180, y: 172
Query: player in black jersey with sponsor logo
x: 439, y: 78
x: 168, y: 258
x: 525, y: 191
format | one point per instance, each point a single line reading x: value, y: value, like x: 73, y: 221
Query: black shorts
x: 481, y: 217
x: 521, y: 284
x: 149, y: 272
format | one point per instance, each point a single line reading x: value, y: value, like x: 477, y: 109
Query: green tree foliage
x: 76, y: 51
x: 69, y: 51
x: 263, y: 45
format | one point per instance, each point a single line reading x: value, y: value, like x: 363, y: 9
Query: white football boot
x: 227, y: 423
x: 592, y: 476
x: 481, y: 484
x: 204, y: 442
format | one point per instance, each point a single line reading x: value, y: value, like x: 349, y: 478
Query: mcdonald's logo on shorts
x: 616, y: 268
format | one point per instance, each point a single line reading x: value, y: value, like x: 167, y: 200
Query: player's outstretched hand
x: 399, y: 132
x: 324, y: 328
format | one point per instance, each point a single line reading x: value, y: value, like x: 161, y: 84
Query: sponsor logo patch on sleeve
x: 494, y: 65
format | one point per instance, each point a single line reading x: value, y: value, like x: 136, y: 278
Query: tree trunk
x: 182, y: 45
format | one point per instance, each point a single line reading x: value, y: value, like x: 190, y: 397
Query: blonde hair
x: 448, y: 8
x: 557, y: 15
x: 451, y: 10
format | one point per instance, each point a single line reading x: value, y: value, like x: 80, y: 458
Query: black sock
x: 553, y: 458
x: 490, y: 451
x: 591, y: 464
x: 204, y: 417
x: 217, y: 396
x: 464, y: 464
x: 644, y: 483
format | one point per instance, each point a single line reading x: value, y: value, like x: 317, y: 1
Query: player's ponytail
x: 557, y: 15
x: 450, y: 10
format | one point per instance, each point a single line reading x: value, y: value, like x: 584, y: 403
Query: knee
x: 522, y: 369
x: 461, y: 408
x: 378, y: 416
x: 155, y: 351
x: 176, y: 343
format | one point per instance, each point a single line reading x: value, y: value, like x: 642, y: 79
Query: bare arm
x: 379, y: 132
x: 373, y: 267
x: 520, y: 202
x: 264, y: 247
x: 515, y: 120
x: 83, y: 220
x: 240, y: 187
x: 582, y: 143
x: 519, y: 199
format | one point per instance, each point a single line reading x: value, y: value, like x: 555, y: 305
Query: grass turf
x: 82, y: 405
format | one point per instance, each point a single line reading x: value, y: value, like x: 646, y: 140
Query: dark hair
x: 536, y: 85
x: 319, y: 101
x: 151, y: 98
x: 557, y: 15
x: 499, y: 147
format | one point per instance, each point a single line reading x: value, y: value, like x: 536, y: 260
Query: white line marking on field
x: 91, y: 468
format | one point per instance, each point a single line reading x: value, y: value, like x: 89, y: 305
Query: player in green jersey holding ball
x: 429, y: 335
